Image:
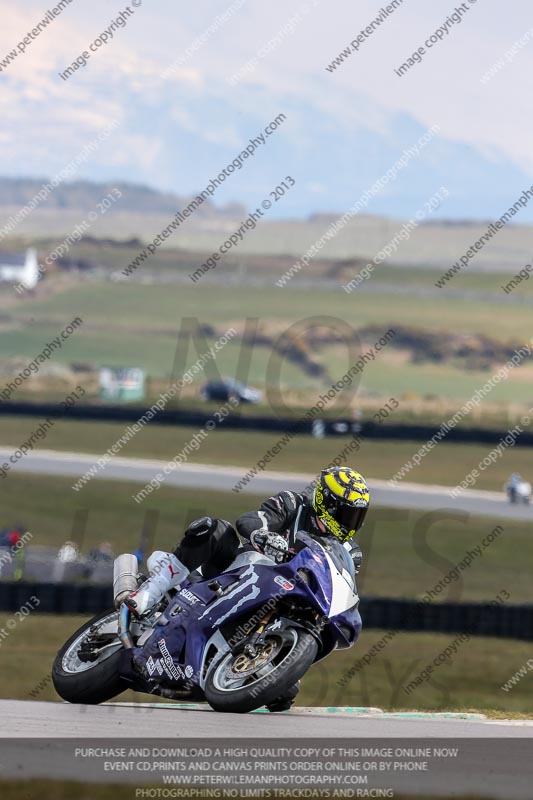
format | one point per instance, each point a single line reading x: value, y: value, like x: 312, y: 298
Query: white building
x: 20, y: 268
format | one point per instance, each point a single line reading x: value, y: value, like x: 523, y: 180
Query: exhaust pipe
x: 124, y: 627
x: 125, y: 571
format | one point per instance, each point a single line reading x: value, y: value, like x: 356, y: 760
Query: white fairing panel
x: 343, y: 594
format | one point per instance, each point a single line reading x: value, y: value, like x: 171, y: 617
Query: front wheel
x: 86, y: 669
x: 240, y: 683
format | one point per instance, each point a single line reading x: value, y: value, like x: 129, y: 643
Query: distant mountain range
x: 82, y: 195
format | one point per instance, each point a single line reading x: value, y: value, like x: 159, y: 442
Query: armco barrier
x: 57, y: 598
x: 130, y: 414
x: 477, y: 619
x: 370, y: 430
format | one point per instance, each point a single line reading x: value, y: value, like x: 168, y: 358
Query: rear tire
x: 95, y: 684
x: 264, y: 689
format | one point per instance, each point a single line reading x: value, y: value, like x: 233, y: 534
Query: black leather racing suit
x: 287, y: 513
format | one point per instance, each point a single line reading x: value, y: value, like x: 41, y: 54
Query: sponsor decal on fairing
x: 285, y: 584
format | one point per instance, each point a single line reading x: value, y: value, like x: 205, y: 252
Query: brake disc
x: 90, y: 648
x: 243, y: 665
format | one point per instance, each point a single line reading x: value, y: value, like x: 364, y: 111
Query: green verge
x: 446, y: 464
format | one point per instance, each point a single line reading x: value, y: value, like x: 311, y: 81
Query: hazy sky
x: 170, y: 127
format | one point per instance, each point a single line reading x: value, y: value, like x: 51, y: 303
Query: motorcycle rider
x: 517, y: 488
x: 337, y: 510
x: 512, y: 486
x: 514, y: 480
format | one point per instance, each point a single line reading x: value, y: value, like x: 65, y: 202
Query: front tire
x: 89, y: 682
x: 234, y: 686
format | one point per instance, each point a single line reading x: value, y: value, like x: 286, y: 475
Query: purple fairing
x: 202, y: 623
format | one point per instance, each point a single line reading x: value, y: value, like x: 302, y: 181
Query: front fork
x: 257, y: 638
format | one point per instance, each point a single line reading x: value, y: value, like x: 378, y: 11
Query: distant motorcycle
x: 248, y: 635
x: 519, y: 492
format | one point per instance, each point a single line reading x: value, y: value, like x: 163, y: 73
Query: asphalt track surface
x: 21, y: 719
x: 404, y: 495
x: 39, y: 740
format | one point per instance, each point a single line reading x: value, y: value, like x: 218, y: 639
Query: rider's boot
x: 286, y: 701
x: 166, y: 572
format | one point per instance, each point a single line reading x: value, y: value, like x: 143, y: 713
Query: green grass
x: 390, y: 375
x: 47, y: 507
x: 137, y: 325
x: 447, y: 464
x: 133, y: 306
x: 415, y: 277
x: 471, y: 681
x: 406, y: 552
x: 91, y: 346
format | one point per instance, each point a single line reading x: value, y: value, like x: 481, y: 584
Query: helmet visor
x: 350, y: 518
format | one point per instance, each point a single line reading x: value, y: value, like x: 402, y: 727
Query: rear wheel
x: 79, y: 680
x: 240, y: 683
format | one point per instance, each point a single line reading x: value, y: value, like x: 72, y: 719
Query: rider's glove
x: 272, y: 545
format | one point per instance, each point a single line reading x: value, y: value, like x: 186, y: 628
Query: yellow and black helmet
x: 341, y: 499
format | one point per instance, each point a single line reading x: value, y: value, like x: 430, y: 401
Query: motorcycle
x: 519, y: 492
x: 246, y: 637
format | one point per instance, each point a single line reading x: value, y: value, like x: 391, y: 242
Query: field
x: 135, y: 324
x: 406, y: 553
x: 128, y: 306
x: 447, y: 464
